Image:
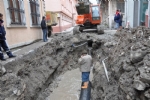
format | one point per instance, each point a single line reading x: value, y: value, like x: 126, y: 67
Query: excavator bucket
x: 83, y: 8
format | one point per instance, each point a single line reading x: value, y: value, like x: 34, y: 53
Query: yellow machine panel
x: 51, y: 18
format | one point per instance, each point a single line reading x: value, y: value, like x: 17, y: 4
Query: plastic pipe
x: 79, y: 45
x: 85, y: 94
x: 106, y: 72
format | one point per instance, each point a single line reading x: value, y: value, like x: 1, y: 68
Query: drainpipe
x: 59, y: 21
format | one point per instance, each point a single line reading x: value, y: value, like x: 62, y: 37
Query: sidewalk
x: 24, y: 50
x: 20, y: 51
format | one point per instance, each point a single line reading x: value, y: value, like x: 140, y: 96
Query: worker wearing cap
x: 3, y: 43
x: 85, y: 66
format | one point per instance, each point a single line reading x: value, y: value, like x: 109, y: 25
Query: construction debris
x: 128, y: 67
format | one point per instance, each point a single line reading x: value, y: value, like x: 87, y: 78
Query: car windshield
x: 95, y: 11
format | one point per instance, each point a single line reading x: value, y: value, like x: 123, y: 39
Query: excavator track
x: 100, y: 29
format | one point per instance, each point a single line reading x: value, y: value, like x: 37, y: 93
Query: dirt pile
x: 30, y: 77
x: 128, y: 67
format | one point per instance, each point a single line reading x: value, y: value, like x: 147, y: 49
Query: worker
x: 3, y: 43
x: 117, y: 19
x: 85, y: 66
x: 121, y: 18
x: 44, y: 29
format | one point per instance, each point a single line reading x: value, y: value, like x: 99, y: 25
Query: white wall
x: 129, y: 11
x: 112, y: 7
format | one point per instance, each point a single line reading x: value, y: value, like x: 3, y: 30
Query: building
x: 108, y: 10
x: 136, y: 12
x: 149, y: 14
x: 66, y: 13
x: 22, y: 20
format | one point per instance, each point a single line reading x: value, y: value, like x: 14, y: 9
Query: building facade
x: 108, y: 9
x: 22, y: 20
x: 66, y: 13
x: 136, y: 12
x: 149, y: 14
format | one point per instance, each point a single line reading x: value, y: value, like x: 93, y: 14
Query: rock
x: 95, y: 46
x: 2, y: 70
x: 144, y: 77
x: 75, y: 40
x: 137, y: 56
x: 128, y: 97
x: 139, y: 85
x: 147, y: 94
x: 109, y: 44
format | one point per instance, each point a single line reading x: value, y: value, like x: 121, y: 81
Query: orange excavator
x: 88, y: 17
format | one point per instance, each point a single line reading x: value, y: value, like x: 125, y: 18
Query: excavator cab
x: 95, y: 12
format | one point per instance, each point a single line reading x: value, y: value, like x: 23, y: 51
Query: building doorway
x: 143, y: 8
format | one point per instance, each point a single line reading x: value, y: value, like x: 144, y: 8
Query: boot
x: 10, y: 54
x: 2, y: 57
x: 85, y: 85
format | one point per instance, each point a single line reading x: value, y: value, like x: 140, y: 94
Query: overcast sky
x: 93, y: 1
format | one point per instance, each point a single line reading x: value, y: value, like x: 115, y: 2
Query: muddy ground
x: 32, y: 76
x: 128, y: 64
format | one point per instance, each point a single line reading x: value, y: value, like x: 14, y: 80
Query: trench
x: 47, y: 73
x: 35, y: 76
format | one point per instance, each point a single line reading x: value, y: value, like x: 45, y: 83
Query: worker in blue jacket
x: 3, y: 43
x: 117, y: 19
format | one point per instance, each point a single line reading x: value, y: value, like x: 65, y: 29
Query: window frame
x: 34, y: 12
x: 15, y: 10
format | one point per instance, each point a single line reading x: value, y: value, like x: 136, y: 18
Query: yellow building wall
x: 21, y: 35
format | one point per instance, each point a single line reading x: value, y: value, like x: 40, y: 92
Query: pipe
x: 89, y: 50
x: 106, y: 72
x: 86, y: 93
x: 79, y: 45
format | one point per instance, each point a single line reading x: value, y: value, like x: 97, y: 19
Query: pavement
x: 24, y: 50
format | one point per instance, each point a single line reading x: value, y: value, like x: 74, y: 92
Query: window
x: 35, y: 16
x: 121, y: 5
x: 16, y: 12
x: 95, y: 13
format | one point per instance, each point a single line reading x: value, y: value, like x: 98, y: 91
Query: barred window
x: 35, y: 16
x: 16, y: 11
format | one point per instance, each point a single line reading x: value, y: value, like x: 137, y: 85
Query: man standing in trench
x: 85, y: 66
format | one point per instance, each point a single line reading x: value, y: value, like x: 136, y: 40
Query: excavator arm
x: 83, y: 7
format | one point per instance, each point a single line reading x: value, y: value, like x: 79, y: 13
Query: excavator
x: 88, y: 17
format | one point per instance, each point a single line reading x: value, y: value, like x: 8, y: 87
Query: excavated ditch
x: 32, y: 76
